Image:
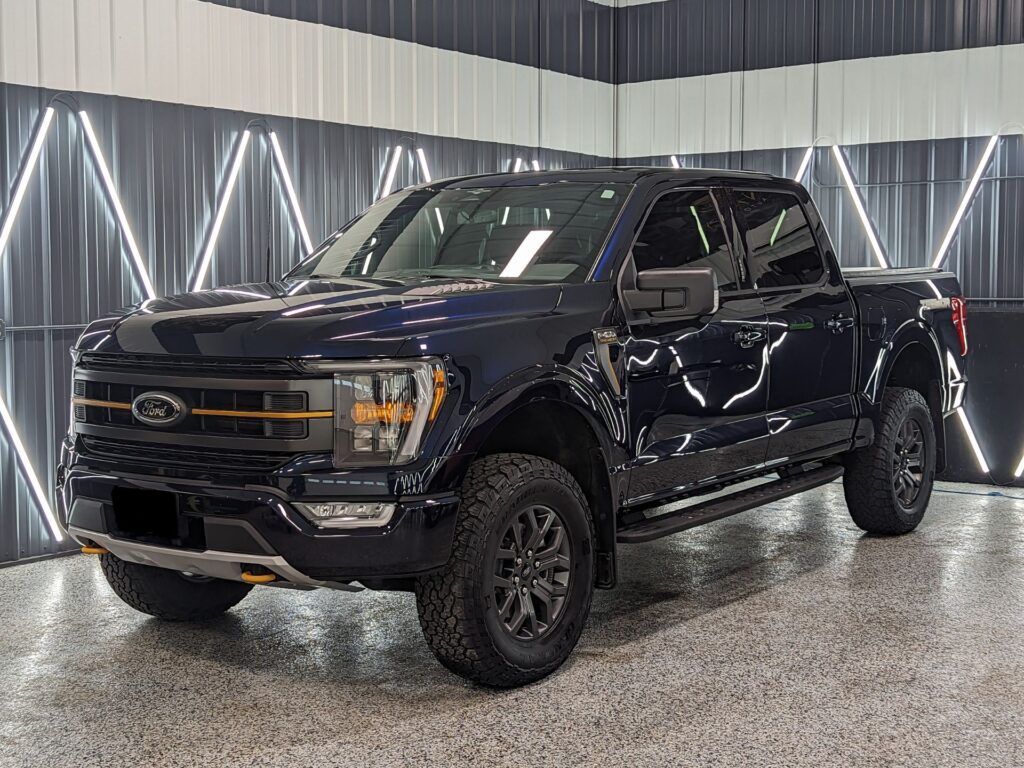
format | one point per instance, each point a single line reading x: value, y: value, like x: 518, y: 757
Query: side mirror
x: 683, y: 292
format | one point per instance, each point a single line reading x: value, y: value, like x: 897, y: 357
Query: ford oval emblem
x: 158, y: 409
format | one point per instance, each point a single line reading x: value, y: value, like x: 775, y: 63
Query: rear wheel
x: 510, y: 605
x: 888, y: 484
x: 170, y: 594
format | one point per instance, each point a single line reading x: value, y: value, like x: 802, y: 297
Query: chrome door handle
x: 838, y: 324
x: 747, y: 336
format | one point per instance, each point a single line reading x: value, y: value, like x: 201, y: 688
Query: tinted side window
x: 780, y: 244
x: 684, y: 230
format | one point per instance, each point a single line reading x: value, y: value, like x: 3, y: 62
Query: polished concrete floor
x: 782, y: 636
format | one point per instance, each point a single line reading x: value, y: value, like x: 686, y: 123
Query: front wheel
x: 511, y: 603
x: 888, y: 484
x: 169, y: 594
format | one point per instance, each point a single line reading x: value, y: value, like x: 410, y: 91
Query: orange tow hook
x: 95, y: 551
x: 258, y: 578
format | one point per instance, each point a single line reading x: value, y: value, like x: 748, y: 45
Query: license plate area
x: 154, y: 517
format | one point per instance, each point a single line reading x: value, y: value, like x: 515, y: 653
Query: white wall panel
x: 947, y: 94
x: 202, y: 54
x: 575, y: 111
x: 19, y: 43
x: 93, y: 36
x: 57, y: 28
x: 764, y: 93
x: 128, y: 46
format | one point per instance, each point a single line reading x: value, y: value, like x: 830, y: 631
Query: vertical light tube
x: 293, y: 200
x: 536, y: 165
x: 424, y: 168
x: 30, y: 473
x: 978, y: 455
x: 804, y: 165
x: 675, y: 161
x: 1020, y: 467
x: 389, y: 178
x: 518, y: 166
x: 115, y: 200
x: 965, y: 202
x: 211, y: 241
x: 869, y: 229
x: 35, y: 148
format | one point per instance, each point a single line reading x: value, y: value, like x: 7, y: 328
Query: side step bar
x: 724, y: 506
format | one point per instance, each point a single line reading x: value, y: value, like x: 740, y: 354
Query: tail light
x: 959, y: 306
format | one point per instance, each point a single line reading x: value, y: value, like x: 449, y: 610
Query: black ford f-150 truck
x: 481, y: 388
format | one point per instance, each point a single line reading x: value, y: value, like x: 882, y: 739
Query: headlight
x: 382, y: 410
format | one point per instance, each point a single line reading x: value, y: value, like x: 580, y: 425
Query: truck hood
x: 339, y: 318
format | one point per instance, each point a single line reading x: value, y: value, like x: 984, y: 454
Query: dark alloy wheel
x: 888, y: 483
x: 908, y: 462
x: 510, y: 605
x: 532, y: 570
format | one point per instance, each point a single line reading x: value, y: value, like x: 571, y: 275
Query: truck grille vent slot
x: 284, y: 401
x: 192, y: 366
x: 285, y: 429
x: 131, y: 452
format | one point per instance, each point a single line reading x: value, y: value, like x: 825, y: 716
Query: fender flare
x: 599, y: 409
x: 906, y: 335
x: 911, y: 333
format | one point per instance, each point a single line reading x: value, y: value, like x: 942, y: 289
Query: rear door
x: 812, y: 331
x: 696, y: 388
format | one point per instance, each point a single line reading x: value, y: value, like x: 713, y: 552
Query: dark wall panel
x: 568, y: 36
x: 684, y: 38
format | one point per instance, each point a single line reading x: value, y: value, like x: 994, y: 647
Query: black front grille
x: 192, y: 366
x: 131, y: 452
x: 198, y: 398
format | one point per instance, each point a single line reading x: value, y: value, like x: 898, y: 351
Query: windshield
x: 547, y: 233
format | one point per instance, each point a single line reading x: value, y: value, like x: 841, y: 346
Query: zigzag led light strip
x: 858, y: 203
x: 965, y: 201
x: 805, y: 164
x: 228, y: 190
x: 393, y: 159
x: 35, y: 148
x: 222, y: 207
x: 293, y: 200
x: 115, y: 200
x: 30, y: 472
x: 7, y: 225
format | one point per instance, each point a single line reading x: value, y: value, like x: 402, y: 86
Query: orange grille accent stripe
x: 264, y: 414
x: 215, y: 412
x: 101, y: 403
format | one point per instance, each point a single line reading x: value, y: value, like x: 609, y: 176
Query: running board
x: 724, y: 506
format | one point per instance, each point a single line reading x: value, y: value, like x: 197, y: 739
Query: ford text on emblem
x: 158, y: 409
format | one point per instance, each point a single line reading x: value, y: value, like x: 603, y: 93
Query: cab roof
x: 606, y: 175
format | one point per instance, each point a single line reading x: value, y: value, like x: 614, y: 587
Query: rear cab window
x: 782, y: 251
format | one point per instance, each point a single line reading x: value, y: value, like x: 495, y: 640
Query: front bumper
x: 258, y: 525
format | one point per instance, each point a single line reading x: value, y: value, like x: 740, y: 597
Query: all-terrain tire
x: 458, y: 608
x: 168, y: 594
x: 870, y: 481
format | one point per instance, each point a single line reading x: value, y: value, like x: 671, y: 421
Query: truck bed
x: 857, y: 276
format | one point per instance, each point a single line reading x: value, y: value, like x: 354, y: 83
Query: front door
x: 812, y: 327
x: 696, y: 388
